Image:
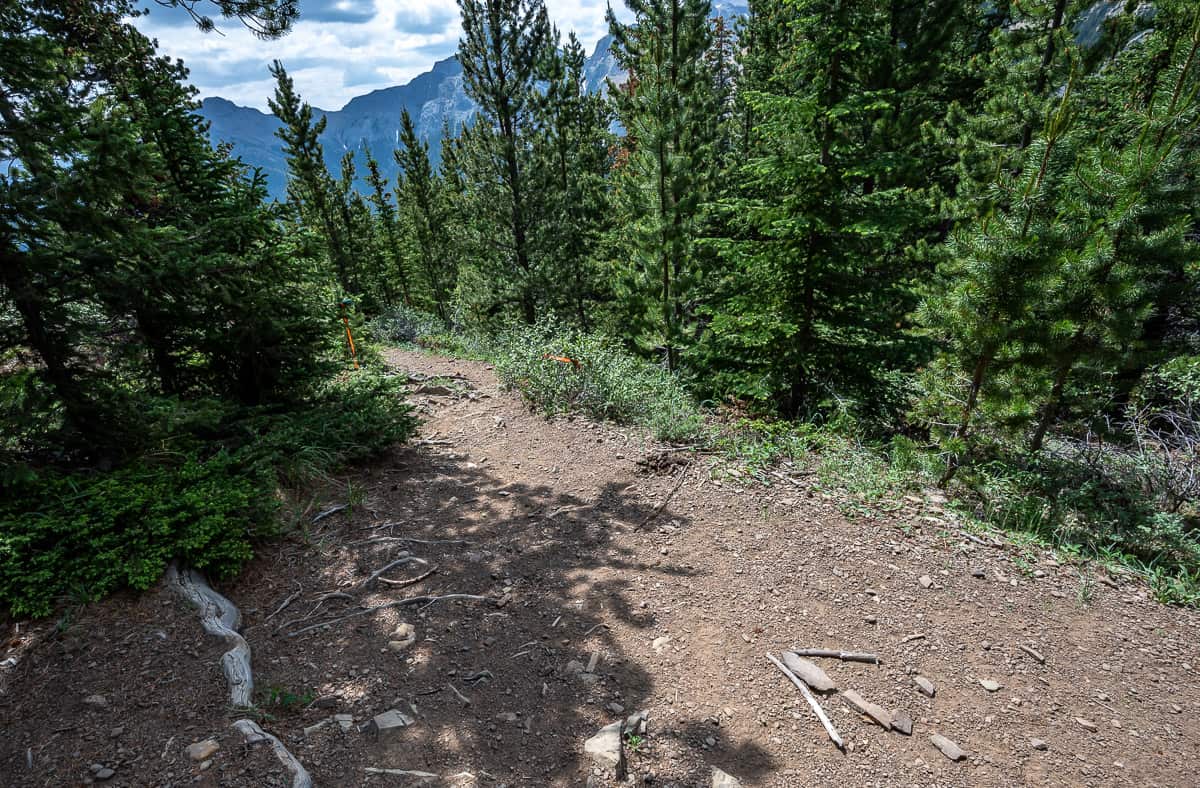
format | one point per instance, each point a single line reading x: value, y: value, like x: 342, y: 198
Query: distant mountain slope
x: 434, y: 99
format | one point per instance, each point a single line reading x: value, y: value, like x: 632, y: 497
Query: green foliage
x: 204, y: 497
x: 88, y: 534
x: 600, y: 379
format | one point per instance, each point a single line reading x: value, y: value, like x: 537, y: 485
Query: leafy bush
x: 205, y: 500
x: 560, y: 370
x: 83, y: 536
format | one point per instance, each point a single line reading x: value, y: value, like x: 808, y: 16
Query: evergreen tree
x: 310, y: 184
x: 570, y: 171
x: 502, y: 52
x: 421, y: 201
x: 389, y: 226
x: 668, y: 111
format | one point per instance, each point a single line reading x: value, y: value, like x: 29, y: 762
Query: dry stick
x: 1033, y: 653
x: 404, y: 559
x: 845, y: 656
x: 329, y: 511
x: 465, y: 700
x: 663, y: 504
x: 410, y: 582
x: 286, y: 602
x: 816, y: 707
x: 414, y: 600
x: 386, y: 539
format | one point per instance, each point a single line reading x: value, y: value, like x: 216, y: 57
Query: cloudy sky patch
x: 339, y: 49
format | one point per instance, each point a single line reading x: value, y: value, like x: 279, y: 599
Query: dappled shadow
x: 509, y: 686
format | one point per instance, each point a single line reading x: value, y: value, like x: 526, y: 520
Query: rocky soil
x: 554, y: 610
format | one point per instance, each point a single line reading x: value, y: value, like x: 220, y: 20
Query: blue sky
x: 340, y: 48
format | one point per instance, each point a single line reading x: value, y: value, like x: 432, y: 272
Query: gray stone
x: 926, y: 581
x: 659, y: 644
x: 104, y: 773
x: 808, y: 672
x: 989, y: 685
x: 96, y: 701
x: 1038, y: 744
x: 390, y: 723
x: 1087, y: 725
x: 875, y: 712
x: 902, y: 723
x: 202, y: 750
x: 948, y: 748
x: 434, y: 391
x: 636, y: 722
x: 344, y: 721
x: 616, y: 708
x: 574, y: 667
x: 977, y: 572
x: 605, y: 749
x: 925, y: 686
x: 401, y: 638
x: 722, y: 780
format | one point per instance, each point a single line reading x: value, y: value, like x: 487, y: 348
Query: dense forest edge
x: 900, y: 244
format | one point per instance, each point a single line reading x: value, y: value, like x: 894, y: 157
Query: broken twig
x: 845, y: 656
x: 663, y: 504
x: 414, y: 600
x: 812, y: 701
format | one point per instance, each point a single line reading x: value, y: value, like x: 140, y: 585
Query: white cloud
x: 335, y: 46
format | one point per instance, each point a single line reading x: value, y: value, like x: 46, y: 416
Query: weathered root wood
x: 461, y: 697
x: 286, y: 602
x: 220, y: 618
x: 330, y: 511
x: 416, y: 775
x: 405, y: 558
x: 845, y: 656
x: 410, y: 582
x: 387, y: 539
x: 834, y: 736
x: 1033, y: 653
x: 414, y: 600
x: 253, y: 734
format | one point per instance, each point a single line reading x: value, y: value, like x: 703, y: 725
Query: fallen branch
x: 286, y: 602
x: 404, y: 559
x: 331, y: 510
x: 984, y: 542
x: 414, y: 600
x: 845, y: 656
x: 812, y: 701
x: 253, y: 734
x: 663, y: 504
x: 465, y: 700
x: 1033, y: 653
x: 410, y: 582
x: 386, y: 539
x: 401, y: 773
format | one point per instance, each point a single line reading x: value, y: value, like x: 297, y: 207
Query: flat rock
x: 390, y: 722
x: 202, y: 750
x: 605, y: 749
x: 636, y: 722
x: 659, y: 644
x: 902, y: 723
x: 808, y: 672
x: 344, y: 721
x: 948, y: 748
x: 989, y: 685
x: 875, y: 712
x: 926, y: 686
x: 1038, y: 744
x: 103, y: 774
x: 401, y: 638
x: 721, y: 779
x: 926, y: 581
x: 1087, y: 725
x: 434, y: 391
x: 96, y: 701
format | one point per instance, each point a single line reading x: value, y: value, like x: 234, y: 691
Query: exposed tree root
x: 221, y: 618
x: 253, y: 734
x: 414, y: 600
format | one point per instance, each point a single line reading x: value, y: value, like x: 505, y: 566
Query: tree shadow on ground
x: 509, y: 686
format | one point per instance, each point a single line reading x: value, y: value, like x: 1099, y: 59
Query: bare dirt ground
x: 610, y: 589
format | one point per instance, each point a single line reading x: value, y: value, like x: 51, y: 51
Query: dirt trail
x: 543, y: 519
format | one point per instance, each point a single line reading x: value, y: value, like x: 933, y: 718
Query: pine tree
x: 570, y: 168
x: 420, y: 196
x: 502, y: 52
x: 389, y: 226
x: 309, y: 181
x: 668, y: 112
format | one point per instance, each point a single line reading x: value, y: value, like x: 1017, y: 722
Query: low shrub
x: 560, y: 370
x: 205, y: 496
